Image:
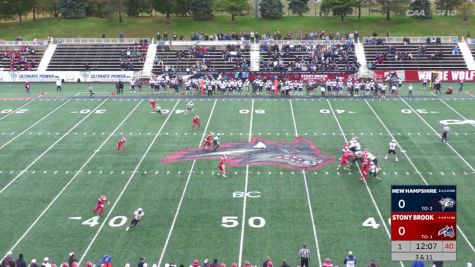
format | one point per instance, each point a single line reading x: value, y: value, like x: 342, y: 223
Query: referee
x: 304, y: 255
x: 445, y: 134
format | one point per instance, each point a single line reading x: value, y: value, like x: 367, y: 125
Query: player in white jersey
x: 373, y: 170
x: 392, y: 149
x: 137, y: 217
x: 189, y: 107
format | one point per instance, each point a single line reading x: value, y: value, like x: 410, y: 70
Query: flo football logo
x: 300, y: 154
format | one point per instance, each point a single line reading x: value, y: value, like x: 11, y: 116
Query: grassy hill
x: 148, y: 26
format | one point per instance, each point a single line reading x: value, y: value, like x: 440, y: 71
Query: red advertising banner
x: 419, y: 75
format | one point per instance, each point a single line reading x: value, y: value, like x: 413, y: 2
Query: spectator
x: 33, y: 263
x: 266, y: 261
x: 46, y: 262
x: 20, y: 262
x: 8, y: 260
x: 71, y: 259
x: 417, y: 264
x: 373, y: 263
x: 284, y: 264
x: 350, y: 260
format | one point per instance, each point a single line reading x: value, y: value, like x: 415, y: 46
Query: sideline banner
x: 419, y: 75
x: 67, y: 76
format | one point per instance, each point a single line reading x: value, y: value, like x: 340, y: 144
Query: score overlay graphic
x: 423, y: 223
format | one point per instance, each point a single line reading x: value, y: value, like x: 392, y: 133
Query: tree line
x: 205, y: 9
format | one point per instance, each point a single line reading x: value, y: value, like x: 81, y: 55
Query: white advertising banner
x: 67, y: 76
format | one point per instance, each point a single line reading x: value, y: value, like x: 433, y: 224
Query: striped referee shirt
x: 304, y: 253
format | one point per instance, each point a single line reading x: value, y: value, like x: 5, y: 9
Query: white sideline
x: 404, y: 151
x: 184, y: 190
x: 314, y: 226
x: 455, y: 151
x: 244, y: 206
x: 33, y: 125
x: 127, y: 184
x: 51, y: 146
x: 72, y: 179
x: 17, y: 109
x: 383, y: 221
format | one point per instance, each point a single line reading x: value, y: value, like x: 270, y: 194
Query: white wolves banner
x: 419, y: 75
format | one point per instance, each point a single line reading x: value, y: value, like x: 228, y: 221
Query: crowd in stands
x: 138, y: 51
x: 256, y: 36
x: 18, y: 59
x: 316, y: 57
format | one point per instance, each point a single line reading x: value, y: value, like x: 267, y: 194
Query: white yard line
x: 428, y: 125
x: 13, y: 112
x: 383, y: 221
x: 454, y: 110
x: 404, y: 151
x: 34, y: 124
x: 72, y: 179
x: 127, y: 184
x: 172, y: 227
x: 314, y: 226
x: 51, y: 146
x: 244, y: 206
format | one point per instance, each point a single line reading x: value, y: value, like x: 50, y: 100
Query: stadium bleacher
x: 21, y: 57
x: 201, y: 58
x: 101, y: 57
x: 311, y: 57
x: 421, y: 56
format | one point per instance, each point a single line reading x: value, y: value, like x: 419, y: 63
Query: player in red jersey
x: 100, y: 205
x: 196, y: 122
x: 344, y: 160
x: 364, y: 169
x: 155, y: 107
x: 222, y: 166
x: 121, y: 145
x: 327, y: 263
x: 207, y: 142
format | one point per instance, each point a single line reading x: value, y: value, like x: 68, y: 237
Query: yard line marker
x: 246, y: 180
x: 50, y: 147
x: 453, y: 149
x: 383, y: 221
x: 184, y: 191
x: 414, y: 166
x: 14, y: 111
x: 128, y: 182
x: 314, y: 227
x: 74, y: 176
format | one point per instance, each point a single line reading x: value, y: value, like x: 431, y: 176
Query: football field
x: 57, y: 155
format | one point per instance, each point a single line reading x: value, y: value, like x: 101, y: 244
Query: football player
x: 373, y: 170
x: 222, y: 166
x: 364, y: 169
x: 372, y: 159
x: 121, y: 145
x: 445, y: 134
x: 99, y: 210
x: 196, y: 122
x: 392, y: 149
x: 136, y: 218
x: 327, y: 263
x: 216, y: 142
x: 189, y: 107
x: 344, y: 160
x: 155, y: 107
x: 207, y: 142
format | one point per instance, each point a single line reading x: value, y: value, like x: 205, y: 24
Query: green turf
x: 340, y: 203
x: 149, y: 26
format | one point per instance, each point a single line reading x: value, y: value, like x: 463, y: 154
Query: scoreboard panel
x: 423, y: 223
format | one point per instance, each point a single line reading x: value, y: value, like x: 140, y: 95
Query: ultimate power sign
x: 423, y: 223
